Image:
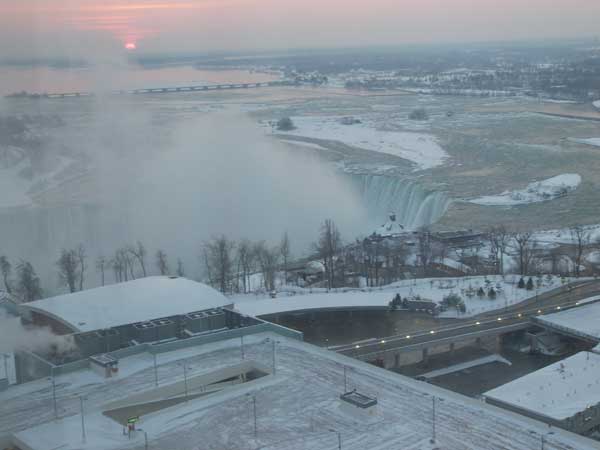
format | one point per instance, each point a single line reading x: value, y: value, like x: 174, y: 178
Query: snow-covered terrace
x: 558, y: 391
x: 583, y: 321
x: 434, y: 289
x: 296, y: 408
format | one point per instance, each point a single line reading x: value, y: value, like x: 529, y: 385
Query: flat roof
x: 126, y: 303
x: 297, y: 408
x: 559, y: 391
x: 581, y: 321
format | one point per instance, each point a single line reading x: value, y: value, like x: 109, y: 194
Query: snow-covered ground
x: 420, y: 148
x: 582, y: 321
x: 298, y: 408
x: 466, y: 365
x: 559, y: 391
x: 539, y: 191
x: 434, y: 289
x: 596, y: 104
x: 590, y: 141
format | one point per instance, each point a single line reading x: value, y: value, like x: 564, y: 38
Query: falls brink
x: 414, y: 205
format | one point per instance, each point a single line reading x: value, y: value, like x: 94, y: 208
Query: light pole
x: 433, y: 421
x: 145, y: 438
x: 82, y: 419
x: 345, y: 380
x: 339, y: 437
x: 54, y: 392
x: 185, y: 379
x: 242, y: 346
x: 155, y: 370
x: 274, y: 365
x: 6, y: 356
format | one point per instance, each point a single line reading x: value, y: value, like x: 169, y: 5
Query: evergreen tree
x: 530, y: 284
x: 521, y: 284
x: 492, y: 294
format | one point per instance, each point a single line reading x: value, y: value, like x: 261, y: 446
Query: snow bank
x: 539, y: 191
x: 596, y: 104
x: 560, y: 390
x: 421, y: 149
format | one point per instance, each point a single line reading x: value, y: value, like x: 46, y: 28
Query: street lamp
x: 145, y: 438
x: 185, y: 381
x: 339, y: 437
x: 83, y: 437
x: 53, y: 381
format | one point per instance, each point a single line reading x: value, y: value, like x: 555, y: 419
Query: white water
x: 414, y: 206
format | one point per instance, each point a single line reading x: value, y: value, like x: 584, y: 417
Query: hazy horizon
x: 77, y: 29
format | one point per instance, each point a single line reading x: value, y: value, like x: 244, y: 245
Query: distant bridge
x: 157, y: 90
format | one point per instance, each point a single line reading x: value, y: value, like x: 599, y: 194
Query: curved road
x: 511, y: 318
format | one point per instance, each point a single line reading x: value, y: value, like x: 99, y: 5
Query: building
x: 146, y: 311
x: 565, y: 394
x: 265, y: 391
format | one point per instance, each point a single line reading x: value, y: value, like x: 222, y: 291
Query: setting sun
x: 130, y: 46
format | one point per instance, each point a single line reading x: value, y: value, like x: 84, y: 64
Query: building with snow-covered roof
x: 565, y: 394
x: 136, y: 301
x: 267, y: 391
x: 582, y: 322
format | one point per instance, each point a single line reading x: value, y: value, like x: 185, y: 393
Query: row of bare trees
x: 230, y: 265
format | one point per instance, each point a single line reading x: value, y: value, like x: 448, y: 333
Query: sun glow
x: 130, y: 46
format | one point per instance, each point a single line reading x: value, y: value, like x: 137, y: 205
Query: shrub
x: 285, y: 124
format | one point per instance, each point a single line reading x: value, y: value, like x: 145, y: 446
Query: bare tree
x: 245, y: 261
x: 425, y: 249
x: 499, y: 238
x: 28, y: 283
x: 285, y: 251
x: 525, y: 248
x: 6, y: 269
x: 161, y: 262
x: 581, y: 239
x: 139, y: 253
x: 268, y: 259
x: 68, y: 269
x: 327, y: 248
x: 101, y: 265
x: 218, y: 257
x: 81, y: 259
x: 180, y: 268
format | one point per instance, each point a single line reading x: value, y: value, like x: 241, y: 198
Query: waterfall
x: 414, y: 205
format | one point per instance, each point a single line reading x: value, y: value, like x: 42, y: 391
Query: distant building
x: 565, y: 394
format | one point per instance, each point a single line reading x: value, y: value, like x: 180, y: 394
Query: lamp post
x: 54, y: 392
x: 155, y: 370
x: 185, y: 379
x: 83, y: 437
x: 339, y: 437
x: 145, y: 438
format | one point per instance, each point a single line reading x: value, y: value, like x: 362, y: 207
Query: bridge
x: 157, y: 90
x: 486, y: 330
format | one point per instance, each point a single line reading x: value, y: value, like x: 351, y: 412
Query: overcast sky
x: 83, y: 27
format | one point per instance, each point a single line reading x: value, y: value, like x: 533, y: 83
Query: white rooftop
x: 583, y: 321
x: 559, y: 391
x: 130, y: 302
x: 296, y: 409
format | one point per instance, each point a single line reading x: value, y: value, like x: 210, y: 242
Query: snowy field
x: 595, y: 142
x: 298, y: 299
x: 298, y: 408
x: 583, y: 321
x: 421, y: 149
x: 539, y: 191
x: 559, y: 391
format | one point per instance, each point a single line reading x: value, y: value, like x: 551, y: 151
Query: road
x: 510, y: 319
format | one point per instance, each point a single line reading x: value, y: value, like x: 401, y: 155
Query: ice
x: 421, y: 149
x: 535, y: 192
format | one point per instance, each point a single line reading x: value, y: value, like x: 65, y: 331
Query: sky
x: 77, y: 28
